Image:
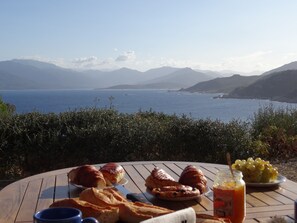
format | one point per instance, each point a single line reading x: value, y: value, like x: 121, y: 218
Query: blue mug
x: 61, y: 215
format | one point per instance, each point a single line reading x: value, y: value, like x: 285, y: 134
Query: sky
x: 238, y: 35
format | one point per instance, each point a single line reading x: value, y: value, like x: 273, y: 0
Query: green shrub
x: 6, y: 109
x: 35, y: 142
x: 32, y: 143
x: 275, y: 130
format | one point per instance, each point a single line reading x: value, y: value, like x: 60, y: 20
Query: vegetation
x: 6, y: 109
x: 34, y: 142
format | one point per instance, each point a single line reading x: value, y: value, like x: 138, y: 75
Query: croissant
x: 87, y: 176
x: 194, y: 177
x: 159, y: 178
x: 112, y: 172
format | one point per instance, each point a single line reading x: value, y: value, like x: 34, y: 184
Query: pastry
x: 176, y: 192
x: 104, y: 198
x: 87, y: 176
x: 159, y: 178
x: 193, y: 177
x: 131, y: 212
x: 113, y: 173
x: 103, y: 215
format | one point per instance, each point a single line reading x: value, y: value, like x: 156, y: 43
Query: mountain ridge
x: 277, y: 84
x: 42, y: 75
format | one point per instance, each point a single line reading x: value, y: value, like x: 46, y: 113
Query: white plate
x: 180, y: 198
x: 280, y: 179
x: 122, y: 182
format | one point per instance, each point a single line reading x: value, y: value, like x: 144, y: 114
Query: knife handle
x: 137, y: 197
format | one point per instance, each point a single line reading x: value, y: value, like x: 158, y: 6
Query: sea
x: 193, y: 105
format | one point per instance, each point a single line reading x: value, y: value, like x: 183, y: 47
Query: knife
x: 131, y: 196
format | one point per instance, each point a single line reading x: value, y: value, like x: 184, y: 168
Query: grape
x: 256, y: 170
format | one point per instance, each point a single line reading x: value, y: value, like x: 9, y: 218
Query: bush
x: 6, y: 109
x: 34, y: 142
x: 275, y: 130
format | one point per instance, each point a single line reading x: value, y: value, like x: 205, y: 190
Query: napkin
x: 187, y: 215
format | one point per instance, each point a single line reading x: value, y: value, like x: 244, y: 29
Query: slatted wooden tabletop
x: 21, y: 199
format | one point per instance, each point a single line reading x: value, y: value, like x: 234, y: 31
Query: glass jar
x: 229, y: 199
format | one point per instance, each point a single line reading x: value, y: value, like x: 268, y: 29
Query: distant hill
x: 181, y: 78
x: 178, y: 78
x: 289, y: 66
x: 32, y: 74
x: 28, y: 74
x: 223, y: 84
x: 278, y: 86
x: 158, y: 72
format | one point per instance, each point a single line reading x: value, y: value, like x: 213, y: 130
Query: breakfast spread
x: 107, y: 205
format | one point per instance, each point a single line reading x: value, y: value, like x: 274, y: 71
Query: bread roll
x: 113, y: 173
x: 103, y: 198
x: 159, y: 178
x: 193, y: 177
x: 103, y: 215
x: 87, y: 176
x: 130, y: 212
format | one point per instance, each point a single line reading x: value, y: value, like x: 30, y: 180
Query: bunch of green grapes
x: 256, y: 170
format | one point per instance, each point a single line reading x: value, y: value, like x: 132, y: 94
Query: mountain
x: 289, y: 66
x: 223, y: 84
x: 159, y: 72
x: 181, y: 78
x: 32, y: 74
x: 36, y: 63
x: 175, y: 78
x: 9, y: 81
x: 277, y: 86
x: 40, y: 75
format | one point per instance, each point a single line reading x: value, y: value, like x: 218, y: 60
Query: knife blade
x: 131, y: 196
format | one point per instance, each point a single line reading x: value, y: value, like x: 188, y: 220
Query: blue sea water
x: 195, y: 105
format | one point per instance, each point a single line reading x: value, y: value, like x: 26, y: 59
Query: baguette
x: 103, y: 215
x: 128, y: 211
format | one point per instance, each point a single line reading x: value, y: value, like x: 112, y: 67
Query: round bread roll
x: 87, y: 176
x: 194, y: 177
x: 113, y: 173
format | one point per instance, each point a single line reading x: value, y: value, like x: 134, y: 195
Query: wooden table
x: 19, y: 200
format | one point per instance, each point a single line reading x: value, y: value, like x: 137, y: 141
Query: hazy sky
x: 240, y: 35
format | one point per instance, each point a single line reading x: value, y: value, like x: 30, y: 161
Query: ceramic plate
x: 122, y: 182
x: 280, y: 179
x: 180, y: 198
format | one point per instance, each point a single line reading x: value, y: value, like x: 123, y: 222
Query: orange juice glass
x: 229, y: 196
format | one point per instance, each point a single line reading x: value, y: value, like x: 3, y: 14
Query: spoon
x: 229, y: 163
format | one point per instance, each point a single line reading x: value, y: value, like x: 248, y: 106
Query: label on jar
x: 223, y: 202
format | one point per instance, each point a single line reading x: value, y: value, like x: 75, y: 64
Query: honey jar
x: 229, y: 195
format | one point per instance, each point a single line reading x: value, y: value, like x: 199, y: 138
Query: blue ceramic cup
x: 61, y: 215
